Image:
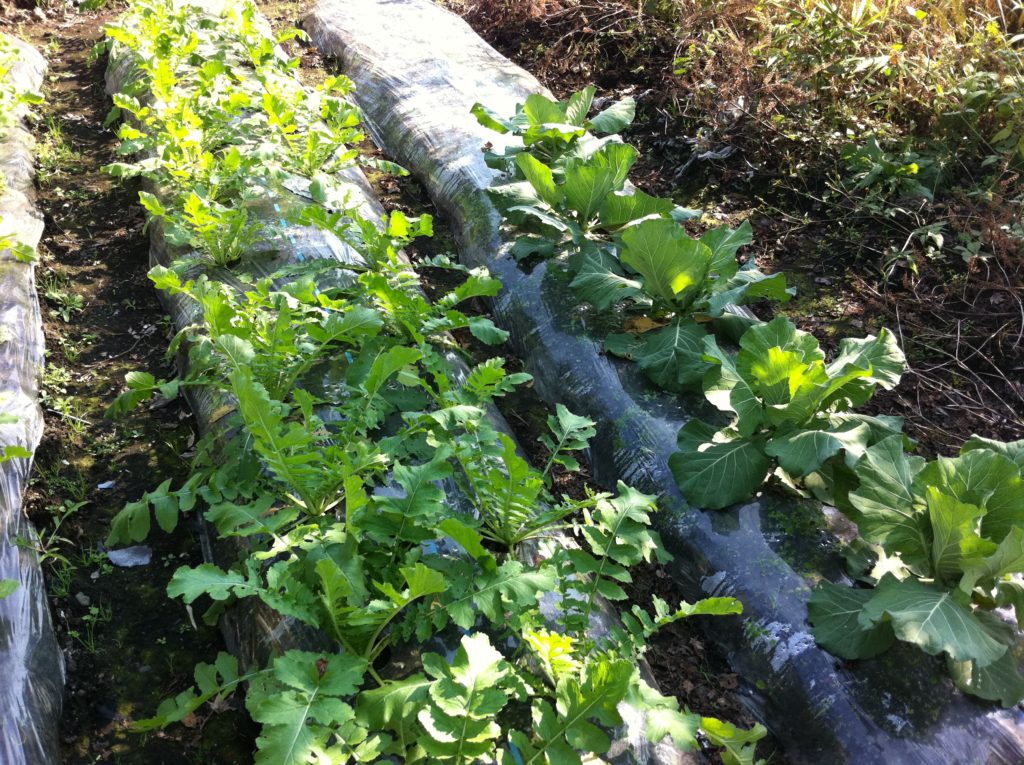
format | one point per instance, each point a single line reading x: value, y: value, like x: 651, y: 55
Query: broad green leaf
x: 880, y: 355
x: 540, y: 109
x: 619, y: 208
x: 726, y: 388
x: 484, y: 330
x: 986, y: 479
x: 1013, y: 450
x: 235, y: 520
x: 388, y: 364
x: 1000, y: 681
x: 747, y: 286
x: 834, y: 610
x: 8, y: 587
x: 1008, y: 558
x: 490, y: 119
x: 953, y: 524
x: 672, y: 356
x: 600, y: 282
x: 932, y: 619
x: 664, y: 718
x: 539, y: 176
x: 721, y: 473
x: 672, y: 265
x: 577, y: 107
x: 887, y: 512
x: 780, y: 333
x: 470, y: 540
x: 393, y: 707
x: 724, y: 243
x: 587, y: 184
x: 803, y: 451
x: 615, y: 118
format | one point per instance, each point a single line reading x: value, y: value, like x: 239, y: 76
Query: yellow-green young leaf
x: 1007, y: 559
x: 539, y: 176
x: 984, y: 478
x: 954, y: 529
x: 739, y: 744
x: 727, y: 389
x: 8, y: 587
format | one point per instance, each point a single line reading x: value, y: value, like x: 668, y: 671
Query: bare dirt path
x: 126, y: 644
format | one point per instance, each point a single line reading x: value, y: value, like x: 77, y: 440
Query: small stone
x: 83, y: 599
x: 129, y: 557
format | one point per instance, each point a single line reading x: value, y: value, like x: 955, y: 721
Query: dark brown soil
x: 136, y: 647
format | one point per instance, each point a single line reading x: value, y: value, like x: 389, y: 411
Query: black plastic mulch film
x: 31, y: 664
x: 418, y: 70
x: 254, y: 632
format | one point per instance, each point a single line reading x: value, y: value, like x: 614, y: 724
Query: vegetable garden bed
x: 319, y: 317
x: 420, y: 110
x: 398, y: 575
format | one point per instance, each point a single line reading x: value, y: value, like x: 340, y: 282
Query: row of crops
x: 372, y: 494
x: 398, y: 581
x: 939, y: 541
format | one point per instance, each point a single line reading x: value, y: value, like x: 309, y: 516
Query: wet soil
x: 127, y: 646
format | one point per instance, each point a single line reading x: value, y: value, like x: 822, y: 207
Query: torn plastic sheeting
x: 31, y: 663
x: 418, y: 70
x: 253, y: 631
